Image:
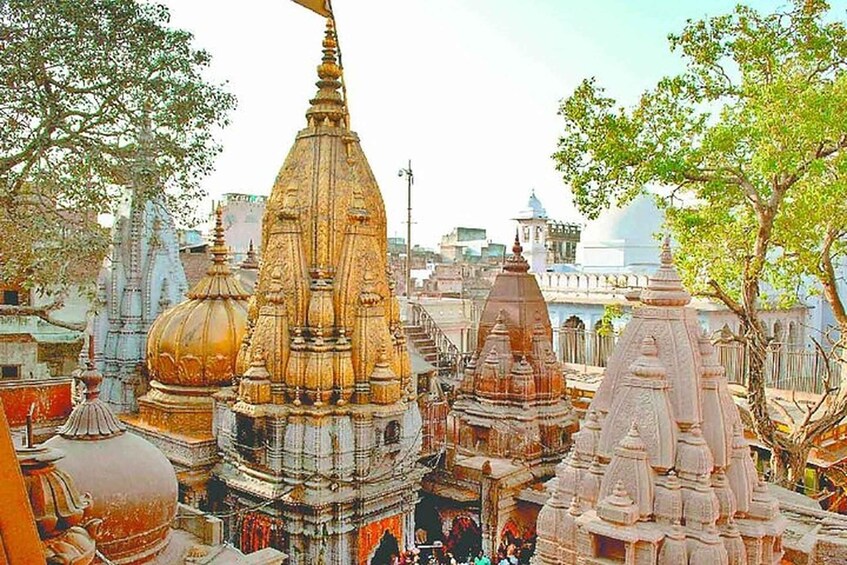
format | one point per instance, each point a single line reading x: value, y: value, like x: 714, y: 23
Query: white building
x: 614, y: 256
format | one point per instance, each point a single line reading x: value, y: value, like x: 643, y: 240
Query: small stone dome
x: 534, y: 209
x: 196, y: 342
x: 132, y: 485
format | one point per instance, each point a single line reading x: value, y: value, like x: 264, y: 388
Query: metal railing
x: 789, y: 367
x: 450, y: 359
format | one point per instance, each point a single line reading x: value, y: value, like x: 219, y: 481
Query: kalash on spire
x: 321, y: 438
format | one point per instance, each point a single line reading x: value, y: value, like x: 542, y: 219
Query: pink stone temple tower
x: 660, y: 472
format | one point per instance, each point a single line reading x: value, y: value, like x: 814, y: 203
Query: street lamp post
x: 410, y: 179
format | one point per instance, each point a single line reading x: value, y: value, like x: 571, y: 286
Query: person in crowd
x: 481, y: 559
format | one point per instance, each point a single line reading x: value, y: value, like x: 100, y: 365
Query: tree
x: 79, y: 83
x: 751, y: 140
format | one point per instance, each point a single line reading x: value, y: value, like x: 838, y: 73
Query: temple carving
x: 661, y: 473
x: 321, y: 435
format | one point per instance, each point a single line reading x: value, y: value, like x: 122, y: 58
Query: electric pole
x: 410, y: 179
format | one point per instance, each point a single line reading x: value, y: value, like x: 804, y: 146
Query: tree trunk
x: 757, y: 350
x: 789, y: 466
x: 797, y: 469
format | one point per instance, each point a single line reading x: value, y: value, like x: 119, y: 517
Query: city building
x: 591, y: 300
x: 466, y: 245
x: 321, y: 437
x: 242, y: 216
x: 546, y: 242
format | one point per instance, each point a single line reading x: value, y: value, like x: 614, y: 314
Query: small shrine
x: 660, y: 473
x: 510, y: 423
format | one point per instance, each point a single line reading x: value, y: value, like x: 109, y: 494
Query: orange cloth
x: 19, y: 542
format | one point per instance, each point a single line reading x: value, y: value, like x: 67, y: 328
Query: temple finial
x: 328, y: 108
x: 219, y: 251
x: 516, y: 263
x: 667, y: 255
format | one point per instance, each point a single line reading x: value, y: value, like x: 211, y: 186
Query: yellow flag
x: 318, y: 6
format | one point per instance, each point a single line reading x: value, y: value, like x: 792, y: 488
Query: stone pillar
x: 488, y: 510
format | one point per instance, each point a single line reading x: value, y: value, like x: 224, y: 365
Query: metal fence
x: 786, y: 366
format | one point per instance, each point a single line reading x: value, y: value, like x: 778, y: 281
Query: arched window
x: 604, y: 343
x: 793, y: 334
x: 392, y: 433
x: 777, y: 332
x: 573, y: 340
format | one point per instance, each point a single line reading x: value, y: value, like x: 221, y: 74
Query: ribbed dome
x: 132, y: 485
x: 195, y: 343
x: 534, y: 209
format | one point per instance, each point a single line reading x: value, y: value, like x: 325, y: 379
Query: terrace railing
x: 789, y: 367
x: 450, y: 359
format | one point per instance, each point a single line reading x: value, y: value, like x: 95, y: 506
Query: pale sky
x: 468, y: 89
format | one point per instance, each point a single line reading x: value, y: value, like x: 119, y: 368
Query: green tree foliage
x: 78, y: 82
x: 749, y: 143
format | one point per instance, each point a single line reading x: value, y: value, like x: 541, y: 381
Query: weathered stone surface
x: 670, y: 450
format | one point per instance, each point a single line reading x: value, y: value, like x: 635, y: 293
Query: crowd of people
x: 510, y: 552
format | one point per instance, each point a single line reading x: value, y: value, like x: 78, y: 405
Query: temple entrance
x: 465, y: 538
x: 428, y: 519
x: 386, y: 550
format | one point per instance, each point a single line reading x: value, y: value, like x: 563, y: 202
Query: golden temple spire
x: 328, y: 105
x: 219, y: 250
x: 219, y: 281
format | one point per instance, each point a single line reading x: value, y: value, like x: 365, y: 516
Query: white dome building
x: 622, y: 240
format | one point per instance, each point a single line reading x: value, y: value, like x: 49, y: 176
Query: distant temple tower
x: 322, y: 437
x: 532, y: 233
x: 510, y: 424
x: 141, y: 277
x: 660, y: 473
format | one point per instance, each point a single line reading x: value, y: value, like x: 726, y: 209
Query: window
x: 11, y: 297
x: 392, y: 432
x: 10, y: 371
x: 526, y: 233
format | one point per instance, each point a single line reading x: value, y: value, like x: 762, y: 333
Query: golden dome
x: 196, y: 342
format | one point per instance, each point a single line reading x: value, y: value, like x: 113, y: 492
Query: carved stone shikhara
x: 141, y: 277
x: 660, y: 473
x: 320, y: 439
x: 510, y: 423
